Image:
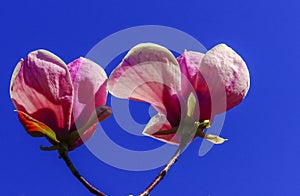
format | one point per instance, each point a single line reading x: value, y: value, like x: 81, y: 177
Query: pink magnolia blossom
x: 58, y: 101
x: 210, y: 83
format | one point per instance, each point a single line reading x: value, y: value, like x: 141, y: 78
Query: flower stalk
x: 63, y: 153
x: 162, y: 174
x: 186, y: 136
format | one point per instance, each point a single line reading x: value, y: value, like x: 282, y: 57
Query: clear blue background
x: 262, y: 155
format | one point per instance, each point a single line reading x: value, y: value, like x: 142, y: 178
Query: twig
x: 187, y: 134
x: 64, y: 155
x: 162, y: 174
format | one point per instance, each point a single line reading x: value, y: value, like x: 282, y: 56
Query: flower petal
x: 224, y: 68
x: 84, y: 137
x: 36, y: 128
x: 159, y: 128
x: 189, y: 63
x: 41, y: 87
x: 149, y: 73
x: 100, y: 114
x: 89, y: 82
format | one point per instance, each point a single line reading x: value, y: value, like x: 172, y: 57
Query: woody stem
x: 64, y: 155
x: 162, y: 174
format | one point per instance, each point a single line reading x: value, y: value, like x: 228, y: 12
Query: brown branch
x: 64, y: 155
x: 187, y: 135
x: 162, y: 174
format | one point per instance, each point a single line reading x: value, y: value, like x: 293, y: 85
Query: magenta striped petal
x: 41, y: 87
x: 159, y: 123
x: 89, y: 83
x: 149, y: 73
x: 84, y: 137
x: 189, y: 63
x: 223, y: 68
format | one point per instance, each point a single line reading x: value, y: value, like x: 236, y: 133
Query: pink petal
x: 189, y: 63
x: 149, y: 73
x: 159, y: 123
x: 84, y: 137
x: 78, y: 136
x: 222, y: 69
x: 89, y: 82
x: 41, y: 87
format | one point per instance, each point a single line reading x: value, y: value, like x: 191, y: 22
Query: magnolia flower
x: 58, y: 101
x: 187, y: 92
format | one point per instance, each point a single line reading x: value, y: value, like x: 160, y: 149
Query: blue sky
x: 261, y: 156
